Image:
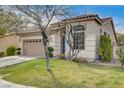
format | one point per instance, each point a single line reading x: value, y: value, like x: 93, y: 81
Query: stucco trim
x: 36, y: 37
x: 7, y: 35
x: 114, y: 32
x: 78, y: 20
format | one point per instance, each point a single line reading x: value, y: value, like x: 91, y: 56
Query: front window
x: 79, y: 38
x: 78, y: 27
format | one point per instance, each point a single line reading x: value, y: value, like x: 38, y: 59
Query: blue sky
x: 116, y: 12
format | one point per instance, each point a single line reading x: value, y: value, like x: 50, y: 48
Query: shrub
x: 50, y: 51
x: 18, y: 51
x: 105, y: 49
x: 50, y: 54
x: 1, y: 54
x: 120, y: 53
x: 10, y: 51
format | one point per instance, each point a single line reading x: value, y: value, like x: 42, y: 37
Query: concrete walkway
x: 7, y: 61
x: 6, y: 84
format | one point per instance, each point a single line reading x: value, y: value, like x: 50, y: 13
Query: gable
x: 109, y: 29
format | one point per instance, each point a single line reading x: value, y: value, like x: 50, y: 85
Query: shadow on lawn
x: 55, y: 80
x: 101, y: 67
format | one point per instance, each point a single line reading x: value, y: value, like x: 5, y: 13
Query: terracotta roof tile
x: 81, y: 17
x: 106, y: 19
x: 88, y: 16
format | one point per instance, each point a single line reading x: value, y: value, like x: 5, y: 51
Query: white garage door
x: 33, y: 47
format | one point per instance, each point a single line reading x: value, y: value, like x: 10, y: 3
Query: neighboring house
x: 7, y: 40
x: 30, y: 41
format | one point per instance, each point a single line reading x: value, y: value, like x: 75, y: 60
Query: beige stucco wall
x: 7, y: 41
x: 109, y: 30
x: 90, y: 40
x: 55, y: 42
x: 92, y: 28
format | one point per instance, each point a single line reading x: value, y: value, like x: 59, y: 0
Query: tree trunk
x: 122, y: 64
x: 46, y: 55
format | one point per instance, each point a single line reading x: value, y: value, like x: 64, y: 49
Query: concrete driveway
x: 7, y: 61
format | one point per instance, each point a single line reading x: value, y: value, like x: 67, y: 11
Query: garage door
x: 33, y: 47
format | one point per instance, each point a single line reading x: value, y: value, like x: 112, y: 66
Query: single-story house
x: 30, y: 41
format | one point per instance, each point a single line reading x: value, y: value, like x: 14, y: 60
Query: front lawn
x: 63, y: 74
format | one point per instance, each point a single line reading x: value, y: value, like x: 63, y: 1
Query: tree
x: 120, y: 38
x: 120, y: 53
x: 68, y: 34
x: 105, y: 49
x: 9, y: 22
x: 41, y: 17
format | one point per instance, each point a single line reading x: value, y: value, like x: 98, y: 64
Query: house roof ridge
x: 105, y: 19
x: 80, y: 17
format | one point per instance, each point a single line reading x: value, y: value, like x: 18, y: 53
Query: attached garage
x: 33, y: 47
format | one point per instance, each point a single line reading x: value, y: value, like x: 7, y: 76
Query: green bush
x: 120, y: 53
x: 50, y: 51
x: 50, y: 54
x: 105, y: 49
x: 1, y: 54
x: 18, y: 51
x: 11, y: 50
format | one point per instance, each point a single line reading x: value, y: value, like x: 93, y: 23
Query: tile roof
x: 86, y: 16
x: 80, y: 17
x: 106, y: 19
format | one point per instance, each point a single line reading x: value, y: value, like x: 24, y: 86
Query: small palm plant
x: 120, y: 53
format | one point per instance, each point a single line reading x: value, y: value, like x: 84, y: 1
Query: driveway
x: 7, y: 61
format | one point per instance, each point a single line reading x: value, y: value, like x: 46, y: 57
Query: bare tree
x: 9, y: 22
x: 120, y: 53
x: 120, y: 38
x: 68, y: 33
x: 41, y: 17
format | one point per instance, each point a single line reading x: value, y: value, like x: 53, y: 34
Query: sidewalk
x: 6, y: 84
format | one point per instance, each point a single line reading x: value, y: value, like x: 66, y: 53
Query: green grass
x: 63, y: 74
